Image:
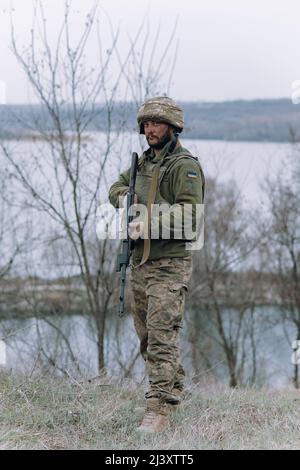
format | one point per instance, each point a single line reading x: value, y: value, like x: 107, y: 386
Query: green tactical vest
x: 159, y: 248
x: 144, y: 175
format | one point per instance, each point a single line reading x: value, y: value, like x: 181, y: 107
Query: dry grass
x: 47, y: 413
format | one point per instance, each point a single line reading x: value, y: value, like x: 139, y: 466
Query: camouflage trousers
x: 159, y: 289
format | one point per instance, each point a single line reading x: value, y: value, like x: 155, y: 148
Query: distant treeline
x: 268, y: 120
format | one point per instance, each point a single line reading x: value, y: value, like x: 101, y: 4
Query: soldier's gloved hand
x: 136, y: 229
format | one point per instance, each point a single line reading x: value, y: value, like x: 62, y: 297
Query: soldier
x: 167, y: 175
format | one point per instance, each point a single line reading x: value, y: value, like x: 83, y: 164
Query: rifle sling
x: 150, y: 202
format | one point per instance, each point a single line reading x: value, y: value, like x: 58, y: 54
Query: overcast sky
x: 228, y: 49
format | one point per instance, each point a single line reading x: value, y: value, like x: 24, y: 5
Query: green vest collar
x: 163, y: 153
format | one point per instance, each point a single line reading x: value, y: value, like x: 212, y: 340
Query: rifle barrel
x: 127, y: 245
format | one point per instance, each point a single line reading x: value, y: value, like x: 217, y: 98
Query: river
x: 57, y: 344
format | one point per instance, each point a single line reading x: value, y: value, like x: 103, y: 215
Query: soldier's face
x: 157, y: 133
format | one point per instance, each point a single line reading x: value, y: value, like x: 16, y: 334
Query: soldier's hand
x: 136, y: 230
x: 123, y: 200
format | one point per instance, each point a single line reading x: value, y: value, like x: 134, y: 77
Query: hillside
x: 266, y: 120
x: 48, y: 413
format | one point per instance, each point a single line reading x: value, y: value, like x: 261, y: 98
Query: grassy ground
x: 47, y: 413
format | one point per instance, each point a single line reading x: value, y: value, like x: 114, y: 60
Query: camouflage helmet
x: 160, y: 109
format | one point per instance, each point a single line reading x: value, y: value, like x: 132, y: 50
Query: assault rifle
x: 127, y: 244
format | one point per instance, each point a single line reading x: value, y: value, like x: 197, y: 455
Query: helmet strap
x: 173, y: 142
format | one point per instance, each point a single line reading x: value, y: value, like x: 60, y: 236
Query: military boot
x: 176, y: 399
x: 156, y: 417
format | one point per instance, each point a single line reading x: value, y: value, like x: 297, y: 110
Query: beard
x: 162, y: 141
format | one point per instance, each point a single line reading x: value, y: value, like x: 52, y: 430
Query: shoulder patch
x: 191, y: 174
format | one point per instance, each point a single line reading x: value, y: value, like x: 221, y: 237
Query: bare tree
x: 225, y: 287
x: 63, y: 175
x: 284, y: 203
x: 13, y: 241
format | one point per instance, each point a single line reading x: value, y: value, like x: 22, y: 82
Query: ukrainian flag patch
x: 191, y: 174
